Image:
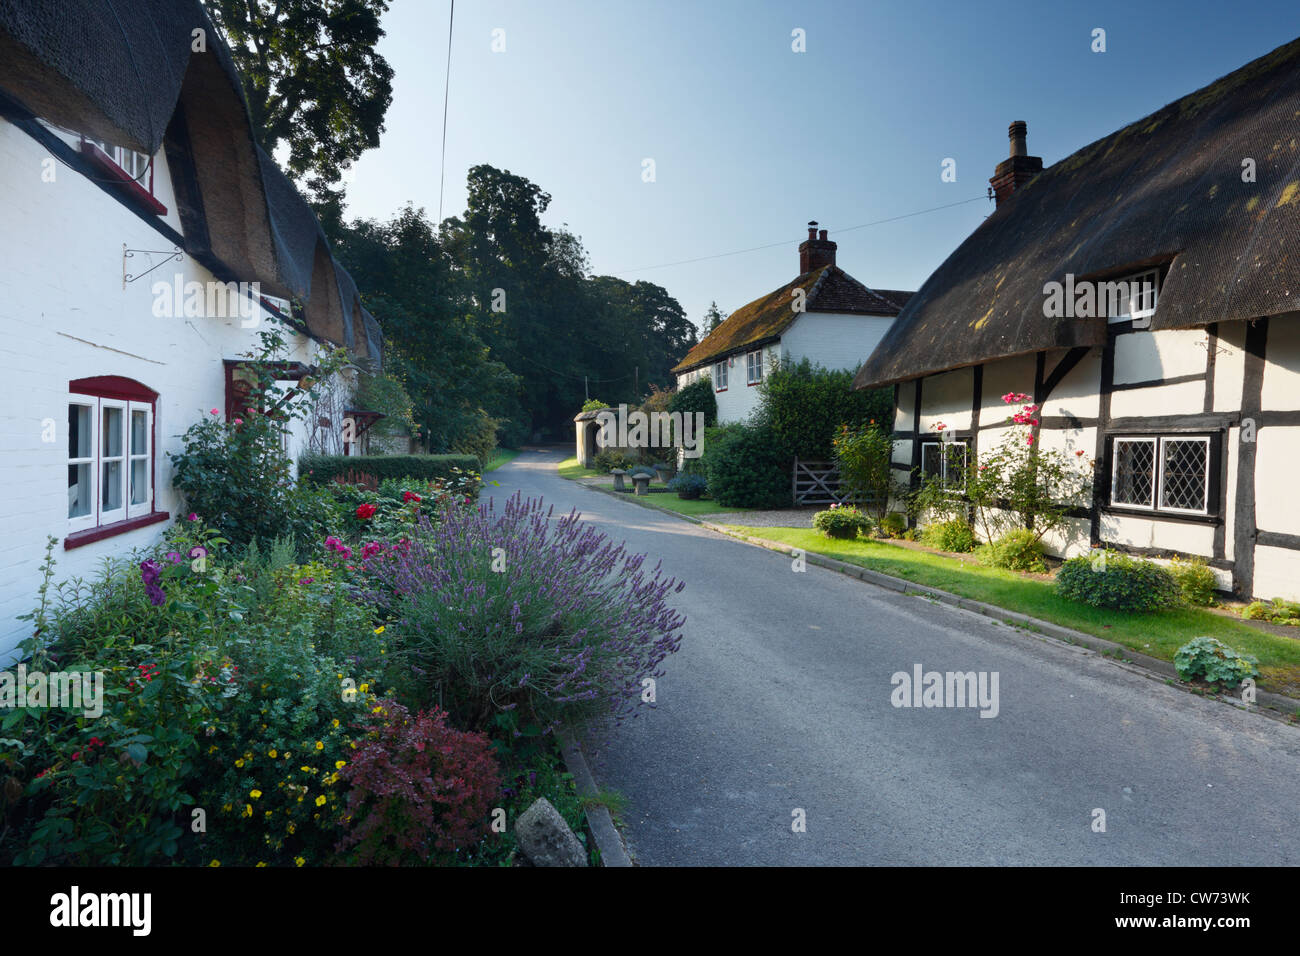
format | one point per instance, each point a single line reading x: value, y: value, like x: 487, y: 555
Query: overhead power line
x: 786, y: 242
x: 446, y: 96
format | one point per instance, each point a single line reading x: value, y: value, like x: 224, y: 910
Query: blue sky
x: 750, y: 140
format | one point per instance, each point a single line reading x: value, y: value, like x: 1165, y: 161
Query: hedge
x: 322, y: 469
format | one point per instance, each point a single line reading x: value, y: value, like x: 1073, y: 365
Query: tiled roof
x: 828, y: 289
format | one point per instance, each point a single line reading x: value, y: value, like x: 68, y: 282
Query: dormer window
x: 132, y: 170
x: 1132, y: 298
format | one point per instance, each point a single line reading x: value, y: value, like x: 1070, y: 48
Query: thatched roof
x: 828, y: 289
x: 1166, y: 189
x: 128, y: 76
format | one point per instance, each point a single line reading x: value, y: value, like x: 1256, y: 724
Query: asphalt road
x: 780, y: 701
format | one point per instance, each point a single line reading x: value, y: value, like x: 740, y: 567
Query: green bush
x: 841, y: 522
x: 864, y: 458
x: 746, y: 468
x: 1277, y: 611
x: 480, y: 441
x: 953, y: 535
x: 893, y: 524
x: 1112, y: 580
x: 1195, y: 580
x: 1214, y: 662
x: 607, y: 459
x: 688, y: 486
x: 323, y: 469
x: 594, y: 405
x: 805, y: 405
x: 1019, y: 550
x: 696, y: 397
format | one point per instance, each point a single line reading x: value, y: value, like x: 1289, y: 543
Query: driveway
x: 778, y: 706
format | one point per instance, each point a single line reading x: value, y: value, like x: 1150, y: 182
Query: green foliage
x: 1210, y: 660
x: 1110, y: 579
x: 864, y: 457
x: 1195, y: 580
x: 323, y: 469
x: 593, y: 404
x: 696, y: 397
x: 480, y: 443
x: 607, y: 459
x: 893, y: 524
x: 805, y: 406
x: 1018, y: 550
x: 313, y: 79
x: 746, y: 467
x: 384, y: 393
x: 1277, y: 611
x: 952, y: 535
x: 841, y: 521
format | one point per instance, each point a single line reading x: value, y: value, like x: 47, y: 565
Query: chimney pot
x: 1016, y: 131
x: 816, y: 251
x: 812, y: 228
x: 822, y: 235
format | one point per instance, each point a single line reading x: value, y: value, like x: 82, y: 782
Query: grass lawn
x: 569, y: 468
x: 1158, y: 634
x: 501, y: 456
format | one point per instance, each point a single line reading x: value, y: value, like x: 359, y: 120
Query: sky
x: 750, y: 139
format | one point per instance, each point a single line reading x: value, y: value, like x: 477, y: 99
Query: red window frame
x: 117, y: 388
x: 109, y: 165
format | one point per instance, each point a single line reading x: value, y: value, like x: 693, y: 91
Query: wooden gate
x: 818, y: 483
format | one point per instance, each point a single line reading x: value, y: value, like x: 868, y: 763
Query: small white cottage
x: 1183, y: 388
x: 824, y: 315
x: 136, y: 203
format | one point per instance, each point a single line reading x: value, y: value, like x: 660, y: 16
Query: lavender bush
x: 521, y: 611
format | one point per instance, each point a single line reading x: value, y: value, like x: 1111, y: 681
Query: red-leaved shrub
x: 418, y: 790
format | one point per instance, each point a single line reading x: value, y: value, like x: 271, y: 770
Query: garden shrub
x: 696, y: 397
x: 952, y: 535
x: 805, y: 405
x: 1277, y: 611
x: 864, y: 458
x: 594, y: 405
x: 479, y: 441
x: 893, y: 524
x: 420, y: 789
x: 1020, y: 550
x: 1195, y: 580
x: 559, y: 623
x: 841, y: 521
x: 746, y: 468
x: 324, y: 469
x: 1112, y: 580
x: 1214, y: 662
x: 607, y: 459
x: 688, y: 486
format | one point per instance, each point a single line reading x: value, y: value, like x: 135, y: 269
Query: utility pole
x: 585, y: 394
x: 636, y: 381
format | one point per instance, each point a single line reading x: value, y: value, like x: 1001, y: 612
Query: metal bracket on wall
x: 176, y: 255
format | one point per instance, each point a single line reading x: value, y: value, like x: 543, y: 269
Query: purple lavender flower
x: 151, y: 574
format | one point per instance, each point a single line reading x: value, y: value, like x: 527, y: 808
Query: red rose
x: 365, y: 511
x: 411, y: 496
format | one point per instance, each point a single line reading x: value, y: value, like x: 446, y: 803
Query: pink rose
x: 214, y: 411
x: 192, y: 517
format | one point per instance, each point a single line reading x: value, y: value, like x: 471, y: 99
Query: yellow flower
x: 299, y: 860
x: 306, y: 769
x: 239, y: 762
x: 320, y: 801
x: 319, y: 745
x: 364, y: 687
x: 267, y: 814
x: 336, y: 721
x: 248, y: 810
x: 255, y: 793
x: 340, y: 764
x: 270, y: 753
x: 228, y: 807
x: 379, y: 629
x: 292, y: 827
x: 261, y: 864
x: 215, y: 863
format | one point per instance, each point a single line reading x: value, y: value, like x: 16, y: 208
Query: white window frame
x: 1157, y: 505
x: 98, y: 517
x: 943, y: 461
x: 1205, y: 493
x: 129, y: 161
x: 754, y: 367
x: 1139, y: 310
x: 720, y: 376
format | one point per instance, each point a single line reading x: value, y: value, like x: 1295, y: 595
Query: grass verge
x: 1158, y: 634
x: 502, y: 456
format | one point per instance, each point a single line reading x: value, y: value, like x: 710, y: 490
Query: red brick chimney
x: 815, y: 251
x: 1014, y: 172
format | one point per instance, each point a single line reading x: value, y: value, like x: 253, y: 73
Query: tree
x: 713, y: 318
x: 313, y: 81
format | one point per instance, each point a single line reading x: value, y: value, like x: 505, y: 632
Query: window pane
x: 955, y: 464
x: 80, y: 426
x: 79, y: 490
x: 1184, y: 473
x: 1134, y: 472
x: 929, y: 459
x: 112, y: 499
x: 139, y: 481
x: 112, y: 432
x: 139, y: 432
